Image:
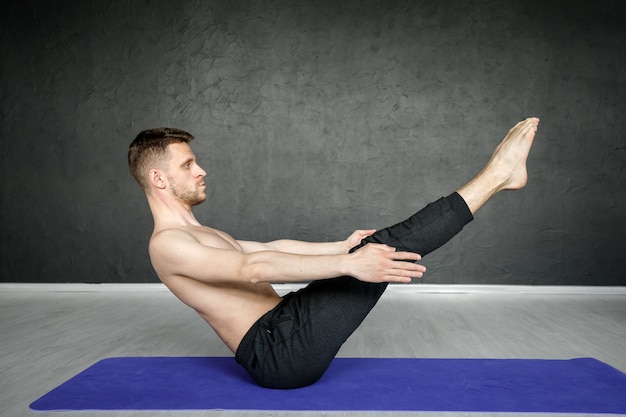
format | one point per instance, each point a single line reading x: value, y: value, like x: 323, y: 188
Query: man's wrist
x: 344, y: 264
x: 344, y: 247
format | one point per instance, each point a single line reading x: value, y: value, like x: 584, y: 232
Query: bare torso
x: 230, y: 308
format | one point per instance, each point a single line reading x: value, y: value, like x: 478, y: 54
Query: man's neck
x: 171, y: 213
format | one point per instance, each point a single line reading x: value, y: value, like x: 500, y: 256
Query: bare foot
x: 506, y: 170
x: 508, y: 161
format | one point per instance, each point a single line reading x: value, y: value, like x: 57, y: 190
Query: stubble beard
x: 191, y: 196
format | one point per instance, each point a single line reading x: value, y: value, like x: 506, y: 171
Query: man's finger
x: 402, y: 256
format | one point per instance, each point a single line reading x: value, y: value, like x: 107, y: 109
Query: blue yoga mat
x: 487, y: 385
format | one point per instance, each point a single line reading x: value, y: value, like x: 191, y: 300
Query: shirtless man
x: 288, y: 342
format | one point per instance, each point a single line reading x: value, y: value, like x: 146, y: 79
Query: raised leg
x: 292, y: 345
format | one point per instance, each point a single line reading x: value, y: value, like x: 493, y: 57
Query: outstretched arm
x: 177, y: 253
x: 307, y: 248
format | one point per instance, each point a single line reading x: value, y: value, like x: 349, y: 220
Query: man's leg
x: 293, y: 344
x: 430, y: 228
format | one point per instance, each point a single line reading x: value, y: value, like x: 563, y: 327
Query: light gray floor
x: 48, y: 334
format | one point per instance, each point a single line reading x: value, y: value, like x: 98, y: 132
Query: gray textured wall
x: 314, y: 118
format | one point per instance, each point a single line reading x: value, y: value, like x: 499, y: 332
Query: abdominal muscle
x: 229, y: 308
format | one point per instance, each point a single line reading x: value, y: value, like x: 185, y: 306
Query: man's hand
x: 356, y: 237
x: 381, y: 263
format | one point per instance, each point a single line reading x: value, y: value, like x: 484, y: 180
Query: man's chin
x: 199, y: 200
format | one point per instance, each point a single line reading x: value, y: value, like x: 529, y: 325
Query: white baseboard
x: 284, y: 288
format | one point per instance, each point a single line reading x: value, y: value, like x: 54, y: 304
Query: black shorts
x: 292, y: 345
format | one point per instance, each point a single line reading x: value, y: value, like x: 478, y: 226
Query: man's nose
x: 201, y: 172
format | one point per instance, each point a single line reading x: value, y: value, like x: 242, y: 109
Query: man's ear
x: 157, y: 178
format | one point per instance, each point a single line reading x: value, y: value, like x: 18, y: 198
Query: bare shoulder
x: 196, y: 252
x: 169, y: 236
x: 166, y: 241
x: 172, y: 238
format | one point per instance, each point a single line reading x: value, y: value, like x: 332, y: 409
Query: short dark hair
x: 149, y: 150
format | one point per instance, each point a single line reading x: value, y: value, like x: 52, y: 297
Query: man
x: 288, y: 342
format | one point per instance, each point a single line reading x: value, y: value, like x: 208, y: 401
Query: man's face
x: 185, y: 176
